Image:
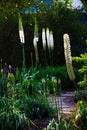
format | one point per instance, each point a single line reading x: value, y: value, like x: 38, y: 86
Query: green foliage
x: 30, y: 83
x: 26, y: 100
x: 84, y: 2
x: 62, y: 125
x: 52, y: 125
x: 41, y: 81
x: 83, y: 83
x: 10, y: 116
x: 78, y: 62
x: 3, y: 84
x: 78, y: 96
x: 36, y: 107
x: 81, y: 64
x: 59, y: 72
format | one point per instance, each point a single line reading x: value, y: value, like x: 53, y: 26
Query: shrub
x: 81, y: 64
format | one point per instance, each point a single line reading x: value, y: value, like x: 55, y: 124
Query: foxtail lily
x: 51, y: 40
x: 47, y: 36
x: 21, y: 31
x: 44, y: 38
x: 35, y: 40
x: 68, y: 56
x: 22, y: 39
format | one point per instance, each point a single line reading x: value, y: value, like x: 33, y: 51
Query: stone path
x: 68, y: 103
x: 65, y: 102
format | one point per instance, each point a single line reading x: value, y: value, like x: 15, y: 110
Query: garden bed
x: 68, y: 100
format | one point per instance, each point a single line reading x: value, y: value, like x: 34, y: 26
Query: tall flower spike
x: 21, y: 31
x: 44, y: 38
x: 35, y: 40
x: 68, y: 58
x: 47, y: 36
x: 51, y: 40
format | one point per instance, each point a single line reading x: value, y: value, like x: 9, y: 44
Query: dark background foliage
x: 57, y: 17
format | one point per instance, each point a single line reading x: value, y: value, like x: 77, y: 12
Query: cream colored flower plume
x: 21, y: 31
x: 44, y: 38
x: 68, y: 57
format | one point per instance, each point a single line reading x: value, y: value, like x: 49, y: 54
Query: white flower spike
x: 21, y: 31
x: 68, y: 58
x: 44, y: 38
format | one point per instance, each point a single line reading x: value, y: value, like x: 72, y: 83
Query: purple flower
x: 13, y: 69
x: 5, y: 68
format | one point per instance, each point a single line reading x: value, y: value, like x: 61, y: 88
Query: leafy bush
x: 81, y: 64
x: 83, y: 72
x: 78, y: 62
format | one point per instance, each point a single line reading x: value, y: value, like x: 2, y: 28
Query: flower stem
x: 23, y: 54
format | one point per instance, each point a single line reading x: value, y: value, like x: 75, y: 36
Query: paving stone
x: 65, y: 102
